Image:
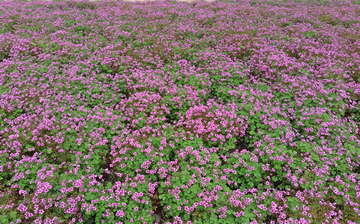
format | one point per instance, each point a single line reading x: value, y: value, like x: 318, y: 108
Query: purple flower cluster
x: 210, y: 112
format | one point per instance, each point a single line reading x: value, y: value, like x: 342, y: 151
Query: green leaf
x: 88, y: 196
x: 251, y: 184
x: 292, y: 202
x: 249, y: 215
x: 66, y: 146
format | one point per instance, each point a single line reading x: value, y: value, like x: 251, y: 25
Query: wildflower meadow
x: 174, y: 112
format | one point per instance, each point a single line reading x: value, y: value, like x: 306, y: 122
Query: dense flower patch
x: 222, y: 112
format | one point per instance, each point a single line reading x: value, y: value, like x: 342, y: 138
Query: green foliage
x: 244, y: 181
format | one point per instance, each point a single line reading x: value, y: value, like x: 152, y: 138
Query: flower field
x: 179, y: 112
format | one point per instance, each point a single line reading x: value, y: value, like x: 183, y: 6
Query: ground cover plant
x: 168, y: 112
